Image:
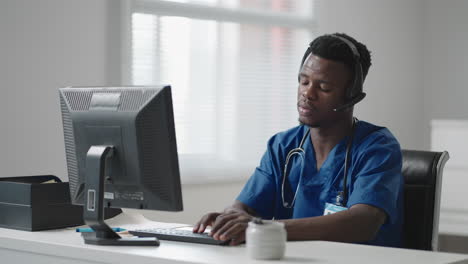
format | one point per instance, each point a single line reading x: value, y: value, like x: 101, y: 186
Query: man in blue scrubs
x: 302, y: 179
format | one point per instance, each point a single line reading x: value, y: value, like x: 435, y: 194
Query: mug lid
x: 267, y: 224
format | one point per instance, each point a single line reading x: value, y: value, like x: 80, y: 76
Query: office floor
x: 454, y: 244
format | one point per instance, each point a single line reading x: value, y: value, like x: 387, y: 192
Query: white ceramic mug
x: 265, y: 239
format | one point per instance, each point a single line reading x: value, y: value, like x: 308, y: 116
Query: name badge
x: 332, y: 208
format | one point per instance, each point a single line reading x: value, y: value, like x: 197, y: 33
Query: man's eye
x: 324, y: 88
x: 305, y: 83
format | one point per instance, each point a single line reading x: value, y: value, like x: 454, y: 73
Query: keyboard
x: 177, y: 235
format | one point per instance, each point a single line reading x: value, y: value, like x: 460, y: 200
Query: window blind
x: 233, y: 71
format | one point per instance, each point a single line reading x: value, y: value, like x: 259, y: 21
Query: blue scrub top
x: 374, y: 178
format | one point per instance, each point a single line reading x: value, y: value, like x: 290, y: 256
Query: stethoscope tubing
x: 342, y: 197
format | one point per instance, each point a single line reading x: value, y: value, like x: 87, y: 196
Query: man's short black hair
x: 332, y: 48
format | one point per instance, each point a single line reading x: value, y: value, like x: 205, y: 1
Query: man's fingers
x: 220, y: 221
x: 206, y: 220
x: 197, y: 226
x: 201, y: 228
x: 224, y: 226
x: 227, y: 225
x: 235, y: 241
x: 232, y: 227
x: 236, y: 232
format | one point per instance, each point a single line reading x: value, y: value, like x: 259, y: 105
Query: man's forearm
x: 238, y: 206
x: 353, y: 225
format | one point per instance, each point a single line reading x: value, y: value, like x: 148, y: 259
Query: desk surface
x: 66, y: 246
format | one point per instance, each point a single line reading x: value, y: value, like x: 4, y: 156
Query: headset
x: 354, y: 94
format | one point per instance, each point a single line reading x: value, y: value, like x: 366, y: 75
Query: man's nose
x: 310, y: 92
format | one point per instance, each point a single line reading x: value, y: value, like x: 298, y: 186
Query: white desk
x: 66, y: 246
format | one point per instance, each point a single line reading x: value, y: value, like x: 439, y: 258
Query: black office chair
x: 422, y: 171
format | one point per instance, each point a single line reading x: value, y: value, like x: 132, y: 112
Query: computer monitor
x: 121, y: 152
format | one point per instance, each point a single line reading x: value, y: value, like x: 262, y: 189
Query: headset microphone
x: 352, y: 102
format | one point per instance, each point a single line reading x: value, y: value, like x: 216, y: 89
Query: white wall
x: 53, y: 43
x: 445, y: 61
x: 44, y: 45
x: 392, y: 31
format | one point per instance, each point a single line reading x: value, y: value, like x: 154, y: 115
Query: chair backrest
x: 422, y: 171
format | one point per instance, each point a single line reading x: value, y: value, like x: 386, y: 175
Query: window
x: 232, y: 65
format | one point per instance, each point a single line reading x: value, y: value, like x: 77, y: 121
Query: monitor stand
x: 94, y: 204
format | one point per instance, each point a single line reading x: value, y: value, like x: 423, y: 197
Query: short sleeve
x: 260, y: 190
x: 377, y: 175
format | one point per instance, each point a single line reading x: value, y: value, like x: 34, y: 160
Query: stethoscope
x: 341, y: 198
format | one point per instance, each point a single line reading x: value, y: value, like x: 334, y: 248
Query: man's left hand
x: 231, y: 225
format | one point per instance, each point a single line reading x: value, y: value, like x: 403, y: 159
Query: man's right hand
x: 229, y: 225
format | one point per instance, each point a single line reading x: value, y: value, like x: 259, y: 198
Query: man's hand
x: 230, y: 225
x: 205, y: 221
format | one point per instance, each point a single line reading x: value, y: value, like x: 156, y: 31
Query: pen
x: 87, y: 229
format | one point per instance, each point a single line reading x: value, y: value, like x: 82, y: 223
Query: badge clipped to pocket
x: 333, y: 208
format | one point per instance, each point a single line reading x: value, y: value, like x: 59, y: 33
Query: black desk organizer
x: 34, y: 203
